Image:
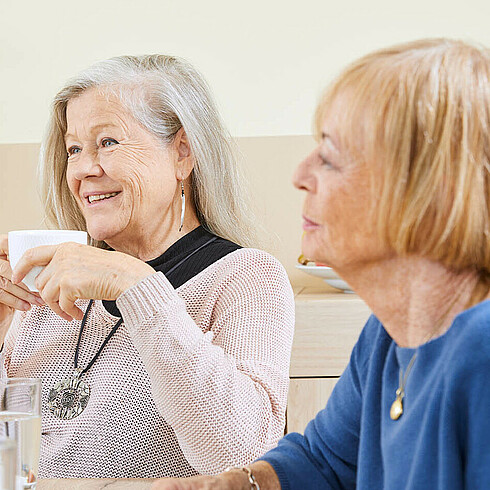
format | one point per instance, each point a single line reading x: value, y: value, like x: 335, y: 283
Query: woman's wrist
x: 134, y: 275
x: 236, y: 479
x: 247, y: 472
x: 263, y: 474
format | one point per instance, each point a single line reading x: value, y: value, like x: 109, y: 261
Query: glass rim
x: 20, y: 381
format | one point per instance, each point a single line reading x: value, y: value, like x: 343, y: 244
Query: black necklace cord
x: 119, y: 322
x: 77, y: 350
x: 190, y: 255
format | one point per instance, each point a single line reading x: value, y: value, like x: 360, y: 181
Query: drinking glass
x: 20, y: 420
x: 8, y: 464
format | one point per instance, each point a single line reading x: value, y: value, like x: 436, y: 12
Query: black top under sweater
x: 186, y: 258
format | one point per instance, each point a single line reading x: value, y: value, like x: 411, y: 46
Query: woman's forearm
x: 226, y: 408
x: 265, y: 475
x: 222, y: 414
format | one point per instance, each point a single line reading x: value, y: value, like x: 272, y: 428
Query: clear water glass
x: 20, y: 420
x: 8, y: 464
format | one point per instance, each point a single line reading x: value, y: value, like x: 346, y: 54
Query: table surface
x: 94, y: 484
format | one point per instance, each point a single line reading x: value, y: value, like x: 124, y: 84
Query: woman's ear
x: 185, y: 159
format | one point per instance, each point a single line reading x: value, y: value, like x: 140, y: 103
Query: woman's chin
x: 312, y: 251
x: 100, y: 234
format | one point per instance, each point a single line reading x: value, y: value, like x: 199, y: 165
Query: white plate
x: 328, y: 275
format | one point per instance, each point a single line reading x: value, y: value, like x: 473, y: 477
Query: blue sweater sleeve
x: 477, y: 461
x: 470, y: 395
x: 326, y: 456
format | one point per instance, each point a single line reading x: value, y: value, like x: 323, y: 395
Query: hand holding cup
x: 12, y: 296
x: 71, y: 271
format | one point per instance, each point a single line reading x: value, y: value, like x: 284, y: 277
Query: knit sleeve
x: 220, y: 384
x: 326, y: 455
x: 9, y: 342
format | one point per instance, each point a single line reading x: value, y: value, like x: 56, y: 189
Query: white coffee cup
x: 22, y: 240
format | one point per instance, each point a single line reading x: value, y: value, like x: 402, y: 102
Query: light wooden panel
x: 20, y: 206
x: 306, y: 398
x: 327, y: 327
x: 269, y: 164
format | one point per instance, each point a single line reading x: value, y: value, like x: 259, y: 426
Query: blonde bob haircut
x: 420, y: 112
x: 163, y: 94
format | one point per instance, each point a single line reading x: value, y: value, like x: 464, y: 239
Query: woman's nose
x: 88, y: 165
x: 303, y: 178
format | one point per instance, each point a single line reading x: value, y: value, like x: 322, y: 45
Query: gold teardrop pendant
x: 396, y: 409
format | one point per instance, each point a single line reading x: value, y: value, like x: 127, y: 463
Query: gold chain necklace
x: 396, y: 410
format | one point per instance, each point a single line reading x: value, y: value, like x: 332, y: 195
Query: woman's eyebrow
x: 93, y: 129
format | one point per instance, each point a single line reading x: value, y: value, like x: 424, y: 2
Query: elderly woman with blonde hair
x: 164, y: 347
x: 398, y: 202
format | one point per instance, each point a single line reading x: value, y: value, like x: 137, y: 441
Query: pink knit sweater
x: 194, y: 380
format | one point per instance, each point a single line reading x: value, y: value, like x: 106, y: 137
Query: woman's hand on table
x: 236, y: 479
x: 225, y: 481
x: 12, y: 296
x: 73, y: 271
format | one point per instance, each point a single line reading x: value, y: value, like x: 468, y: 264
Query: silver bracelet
x: 251, y: 478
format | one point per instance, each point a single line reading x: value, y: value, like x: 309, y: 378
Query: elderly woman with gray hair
x: 173, y: 339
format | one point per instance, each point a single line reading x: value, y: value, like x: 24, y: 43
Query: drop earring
x: 182, y: 213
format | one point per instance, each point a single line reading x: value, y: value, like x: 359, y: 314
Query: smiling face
x: 125, y: 181
x: 339, y: 207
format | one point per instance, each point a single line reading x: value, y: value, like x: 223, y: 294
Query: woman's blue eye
x: 73, y: 150
x: 106, y: 142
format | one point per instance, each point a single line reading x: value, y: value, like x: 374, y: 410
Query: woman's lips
x: 309, y: 225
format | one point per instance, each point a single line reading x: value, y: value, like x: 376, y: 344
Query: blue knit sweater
x: 442, y: 440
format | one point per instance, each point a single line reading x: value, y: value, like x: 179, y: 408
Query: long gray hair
x: 164, y: 94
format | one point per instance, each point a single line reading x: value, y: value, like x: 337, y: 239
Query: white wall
x: 265, y: 60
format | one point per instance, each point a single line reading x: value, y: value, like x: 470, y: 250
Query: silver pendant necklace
x: 68, y: 398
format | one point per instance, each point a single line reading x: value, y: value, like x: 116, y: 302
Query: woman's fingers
x: 38, y: 256
x: 34, y: 295
x: 55, y: 291
x: 51, y: 281
x: 4, y: 245
x: 43, y: 277
x: 5, y: 270
x: 56, y: 308
x: 12, y: 301
x: 58, y: 301
x: 20, y: 291
x: 51, y: 295
x: 68, y: 306
x: 4, y: 261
